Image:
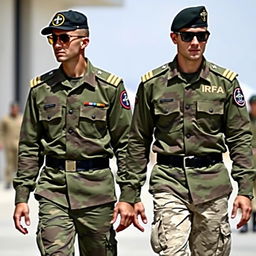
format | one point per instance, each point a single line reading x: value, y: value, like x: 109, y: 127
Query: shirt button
x: 210, y: 110
x: 188, y: 135
x: 93, y: 116
x: 49, y: 117
x: 70, y: 130
x: 187, y: 106
x: 70, y: 111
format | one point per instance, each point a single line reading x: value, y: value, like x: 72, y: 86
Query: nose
x: 194, y: 40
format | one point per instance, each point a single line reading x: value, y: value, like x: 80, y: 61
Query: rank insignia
x: 125, y: 103
x: 239, y: 97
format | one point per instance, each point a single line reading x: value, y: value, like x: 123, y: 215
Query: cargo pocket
x: 39, y: 241
x: 224, y: 243
x: 111, y: 244
x: 158, y: 239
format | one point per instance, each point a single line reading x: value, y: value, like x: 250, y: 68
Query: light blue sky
x: 134, y: 39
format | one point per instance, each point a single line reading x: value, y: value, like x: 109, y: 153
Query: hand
x: 21, y: 210
x: 139, y: 210
x: 127, y: 215
x: 244, y: 203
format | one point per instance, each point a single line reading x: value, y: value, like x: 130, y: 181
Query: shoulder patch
x: 40, y: 79
x: 108, y: 77
x: 227, y: 73
x: 154, y: 73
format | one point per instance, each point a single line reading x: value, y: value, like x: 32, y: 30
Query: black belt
x: 189, y: 161
x: 79, y: 165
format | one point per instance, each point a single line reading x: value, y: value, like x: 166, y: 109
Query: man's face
x: 189, y: 50
x: 67, y: 45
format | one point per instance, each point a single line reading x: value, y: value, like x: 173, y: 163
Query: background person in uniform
x: 77, y: 117
x: 9, y: 140
x: 252, y: 103
x: 193, y: 108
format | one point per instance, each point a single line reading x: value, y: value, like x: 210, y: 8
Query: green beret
x: 192, y: 17
x: 252, y: 99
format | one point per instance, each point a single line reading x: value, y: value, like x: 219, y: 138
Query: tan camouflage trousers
x: 181, y: 229
x: 58, y: 227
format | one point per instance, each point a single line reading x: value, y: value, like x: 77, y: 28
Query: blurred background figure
x: 252, y: 104
x: 9, y: 139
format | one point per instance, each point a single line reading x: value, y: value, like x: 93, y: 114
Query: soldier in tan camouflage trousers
x: 9, y: 140
x: 194, y: 109
x: 76, y: 118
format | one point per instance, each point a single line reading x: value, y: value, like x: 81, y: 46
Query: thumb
x: 234, y: 211
x: 27, y: 219
x: 114, y: 216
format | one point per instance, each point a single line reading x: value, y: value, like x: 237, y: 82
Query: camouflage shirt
x: 190, y: 119
x: 88, y: 119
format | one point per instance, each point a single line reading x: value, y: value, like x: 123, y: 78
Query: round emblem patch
x: 124, y: 100
x: 58, y: 20
x: 239, y: 97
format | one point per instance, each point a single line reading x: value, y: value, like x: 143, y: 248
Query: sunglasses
x: 63, y: 38
x: 188, y: 36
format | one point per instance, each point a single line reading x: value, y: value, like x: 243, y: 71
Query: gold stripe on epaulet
x: 147, y: 76
x: 35, y: 81
x: 114, y: 80
x: 229, y: 74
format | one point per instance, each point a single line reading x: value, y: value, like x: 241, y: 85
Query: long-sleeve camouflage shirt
x: 87, y: 119
x: 193, y: 118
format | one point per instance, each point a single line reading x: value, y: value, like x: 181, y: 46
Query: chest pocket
x: 93, y: 121
x: 210, y: 115
x: 168, y: 115
x: 51, y: 117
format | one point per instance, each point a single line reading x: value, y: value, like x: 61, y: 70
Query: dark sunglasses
x: 63, y: 38
x: 188, y: 36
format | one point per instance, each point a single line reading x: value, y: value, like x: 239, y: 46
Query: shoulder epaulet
x: 41, y: 79
x: 154, y: 73
x: 227, y: 73
x: 108, y: 77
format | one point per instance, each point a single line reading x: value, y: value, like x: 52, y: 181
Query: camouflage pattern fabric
x: 89, y: 118
x: 198, y: 118
x: 58, y: 225
x: 183, y: 229
x: 253, y: 126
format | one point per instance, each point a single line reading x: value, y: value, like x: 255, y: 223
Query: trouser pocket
x: 224, y: 242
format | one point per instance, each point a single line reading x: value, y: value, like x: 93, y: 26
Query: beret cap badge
x: 58, y: 20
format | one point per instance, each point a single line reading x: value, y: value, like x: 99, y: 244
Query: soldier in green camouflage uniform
x: 252, y: 103
x: 76, y: 118
x: 194, y: 109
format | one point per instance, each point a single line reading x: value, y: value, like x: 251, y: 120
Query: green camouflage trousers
x: 58, y: 227
x: 181, y: 229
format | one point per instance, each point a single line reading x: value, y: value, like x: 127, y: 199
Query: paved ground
x: 131, y: 241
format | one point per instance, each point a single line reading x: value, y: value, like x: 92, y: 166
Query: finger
x: 18, y: 226
x: 115, y: 214
x: 144, y: 217
x: 120, y: 228
x: 234, y: 211
x: 137, y: 224
x: 27, y: 219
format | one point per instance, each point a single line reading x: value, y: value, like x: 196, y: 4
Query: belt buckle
x: 70, y: 165
x: 184, y: 160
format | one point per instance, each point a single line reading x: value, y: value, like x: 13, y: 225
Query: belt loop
x: 70, y: 165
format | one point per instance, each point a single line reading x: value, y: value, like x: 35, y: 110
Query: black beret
x: 66, y: 20
x: 191, y: 17
x: 252, y: 99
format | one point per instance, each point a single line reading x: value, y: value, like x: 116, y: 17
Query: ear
x: 84, y: 42
x: 174, y: 37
